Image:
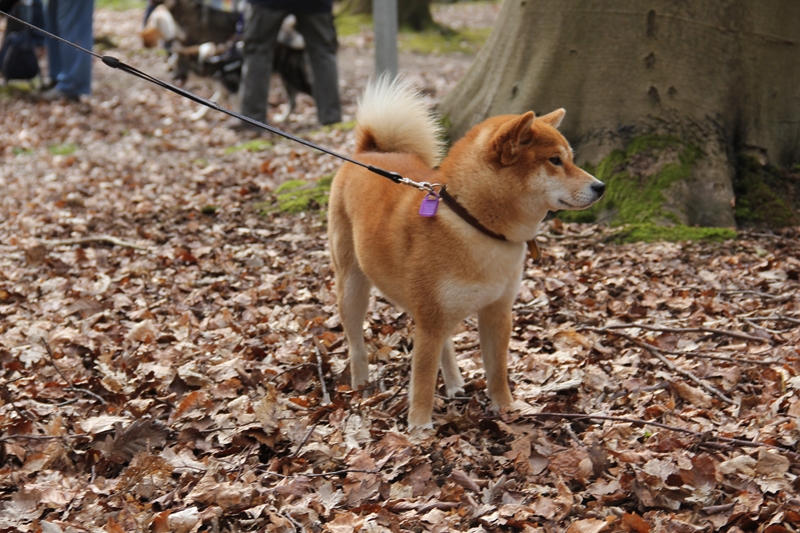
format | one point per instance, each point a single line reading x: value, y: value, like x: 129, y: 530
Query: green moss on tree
x: 296, y: 196
x: 636, y: 196
x: 637, y: 179
x: 764, y: 195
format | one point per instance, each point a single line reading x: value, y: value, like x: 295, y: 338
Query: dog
x: 504, y: 176
x: 161, y: 28
x: 204, y: 42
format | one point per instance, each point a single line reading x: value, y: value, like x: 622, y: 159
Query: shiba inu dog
x: 500, y: 181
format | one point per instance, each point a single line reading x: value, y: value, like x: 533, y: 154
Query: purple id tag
x: 429, y: 205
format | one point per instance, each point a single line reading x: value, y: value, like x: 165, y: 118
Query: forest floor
x: 172, y: 358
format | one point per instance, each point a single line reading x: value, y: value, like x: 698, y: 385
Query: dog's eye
x: 556, y: 161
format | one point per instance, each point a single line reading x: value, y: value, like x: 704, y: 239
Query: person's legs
x: 53, y: 46
x: 260, y: 33
x: 320, y: 35
x: 74, y: 22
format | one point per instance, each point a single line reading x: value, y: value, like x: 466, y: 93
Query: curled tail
x: 392, y: 117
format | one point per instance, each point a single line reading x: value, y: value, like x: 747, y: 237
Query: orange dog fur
x: 508, y: 172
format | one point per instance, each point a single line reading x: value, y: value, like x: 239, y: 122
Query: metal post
x: 384, y: 16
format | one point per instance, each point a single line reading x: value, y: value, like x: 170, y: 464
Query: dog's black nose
x: 599, y: 188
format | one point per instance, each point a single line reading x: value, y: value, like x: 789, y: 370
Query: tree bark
x: 413, y: 14
x: 722, y: 75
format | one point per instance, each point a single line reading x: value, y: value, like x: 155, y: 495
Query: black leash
x: 448, y: 199
x: 113, y: 62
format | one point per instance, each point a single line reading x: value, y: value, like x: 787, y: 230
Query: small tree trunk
x: 415, y: 14
x: 723, y: 76
x: 412, y: 14
x: 355, y: 7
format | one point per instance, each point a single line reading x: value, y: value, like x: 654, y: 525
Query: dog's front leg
x: 494, y: 329
x: 425, y: 359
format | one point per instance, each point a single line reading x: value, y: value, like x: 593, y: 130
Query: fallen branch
x: 704, y: 436
x: 734, y: 334
x: 70, y: 387
x: 6, y: 438
x: 704, y: 355
x: 305, y: 439
x: 754, y: 293
x: 97, y: 238
x: 6, y: 394
x: 752, y: 323
x: 322, y: 474
x: 326, y: 398
x: 658, y: 355
x: 776, y: 318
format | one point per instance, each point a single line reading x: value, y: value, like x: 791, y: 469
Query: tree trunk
x: 355, y: 7
x: 714, y: 78
x: 412, y: 14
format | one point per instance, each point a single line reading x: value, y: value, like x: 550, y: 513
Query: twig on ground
x: 769, y: 236
x: 775, y: 318
x: 399, y: 389
x: 718, y: 357
x: 291, y: 368
x: 305, y: 439
x: 287, y: 516
x: 70, y: 386
x: 754, y: 293
x: 322, y: 474
x: 422, y: 508
x: 7, y: 397
x: 660, y: 356
x: 244, y: 461
x: 43, y: 437
x: 638, y: 422
x: 97, y: 238
x: 734, y: 334
x: 752, y: 323
x: 326, y: 398
x: 661, y: 385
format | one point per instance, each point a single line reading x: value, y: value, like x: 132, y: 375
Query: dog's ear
x: 512, y: 136
x: 554, y: 118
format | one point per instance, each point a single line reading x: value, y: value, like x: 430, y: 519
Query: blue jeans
x: 70, y: 68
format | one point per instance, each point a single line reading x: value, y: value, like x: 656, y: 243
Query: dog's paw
x: 419, y: 421
x: 455, y: 391
x: 283, y: 117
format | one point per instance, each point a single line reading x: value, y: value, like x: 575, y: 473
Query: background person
x: 70, y: 68
x: 263, y: 19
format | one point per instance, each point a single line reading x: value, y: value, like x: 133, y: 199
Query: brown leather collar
x: 466, y: 216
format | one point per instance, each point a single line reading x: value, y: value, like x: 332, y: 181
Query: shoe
x: 55, y: 95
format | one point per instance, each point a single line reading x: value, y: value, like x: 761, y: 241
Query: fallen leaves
x: 189, y: 341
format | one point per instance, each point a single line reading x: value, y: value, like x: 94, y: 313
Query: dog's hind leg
x: 494, y: 330
x: 353, y: 296
x: 453, y: 381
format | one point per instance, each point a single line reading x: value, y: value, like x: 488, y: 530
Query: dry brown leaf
x: 588, y: 525
x: 141, y: 435
x: 693, y: 395
x: 635, y: 523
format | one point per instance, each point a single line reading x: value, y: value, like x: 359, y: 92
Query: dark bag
x: 18, y: 50
x: 18, y: 56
